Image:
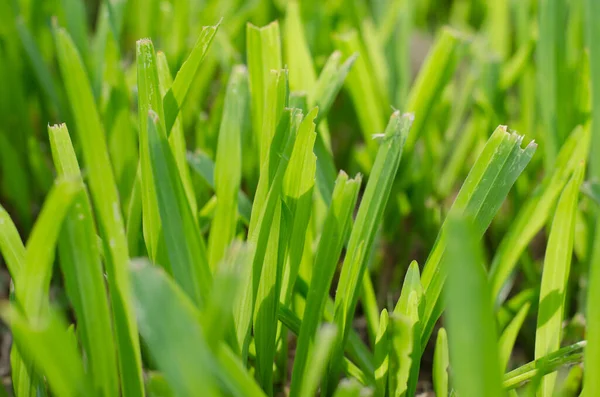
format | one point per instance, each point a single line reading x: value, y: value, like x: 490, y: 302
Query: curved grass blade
x: 471, y: 328
x: 108, y: 210
x: 557, y: 265
x: 83, y: 273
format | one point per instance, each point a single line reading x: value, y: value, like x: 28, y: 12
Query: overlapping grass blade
x: 363, y: 233
x: 45, y: 341
x: 441, y: 363
x: 335, y: 229
x: 108, y: 210
x: 500, y: 163
x: 471, y: 328
x: 11, y: 245
x: 82, y: 270
x: 319, y: 353
x: 184, y: 243
x: 401, y: 340
x: 228, y: 167
x: 557, y: 265
x: 33, y: 283
x: 381, y: 354
x: 535, y: 212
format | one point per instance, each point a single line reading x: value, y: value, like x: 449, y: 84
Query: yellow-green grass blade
x: 263, y: 46
x: 176, y: 137
x: 228, y: 165
x: 45, y: 341
x: 401, y: 336
x: 175, y: 97
x: 33, y: 283
x: 184, y: 244
x: 319, y: 354
x: 471, y: 328
x: 90, y: 133
x: 82, y: 270
x: 509, y: 335
x: 349, y: 388
x: 536, y: 210
x: 496, y: 169
x: 382, y: 355
x: 363, y: 232
x: 297, y: 53
x: 441, y: 363
x: 557, y: 265
x: 335, y: 230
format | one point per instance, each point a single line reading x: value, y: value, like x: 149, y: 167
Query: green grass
x: 177, y: 219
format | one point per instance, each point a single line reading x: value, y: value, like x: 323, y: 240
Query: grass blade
x: 228, y: 167
x: 108, y: 210
x: 11, y: 246
x: 471, y: 328
x: 319, y: 355
x: 557, y: 264
x: 441, y: 363
x: 335, y: 229
x: 83, y: 273
x: 367, y: 221
x: 509, y: 336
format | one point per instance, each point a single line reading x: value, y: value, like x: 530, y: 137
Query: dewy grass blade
x: 168, y: 322
x: 441, y: 363
x: 176, y: 137
x: 175, y: 97
x: 45, y: 342
x: 184, y: 243
x: 228, y: 167
x: 363, y: 233
x: 557, y: 264
x: 491, y: 177
x: 535, y: 212
x: 83, y: 273
x: 11, y: 245
x: 471, y: 327
x: 335, y: 229
x: 108, y: 210
x: 33, y: 284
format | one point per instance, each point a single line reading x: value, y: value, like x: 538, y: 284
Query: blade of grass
x: 534, y: 213
x: 381, y: 353
x: 401, y: 339
x: 471, y: 329
x: 108, y: 210
x: 175, y: 97
x: 363, y: 233
x: 297, y: 53
x: 441, y: 364
x: 335, y: 230
x: 500, y: 163
x: 509, y: 336
x: 319, y: 354
x: 11, y: 245
x: 557, y: 264
x: 83, y: 273
x: 228, y: 165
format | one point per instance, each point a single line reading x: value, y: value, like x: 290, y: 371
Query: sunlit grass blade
x: 495, y: 171
x: 401, y: 339
x: 557, y: 265
x: 175, y: 97
x: 535, y: 212
x: 33, y: 283
x: 567, y: 355
x: 471, y: 328
x: 441, y: 363
x: 107, y: 208
x: 509, y: 335
x: 11, y: 245
x: 44, y: 341
x: 82, y: 270
x: 228, y: 167
x: 363, y: 232
x: 297, y: 53
x: 349, y: 388
x: 173, y: 334
x: 381, y: 353
x: 184, y: 243
x: 176, y: 136
x: 335, y: 230
x: 319, y: 353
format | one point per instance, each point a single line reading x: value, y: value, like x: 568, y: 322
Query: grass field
x: 300, y: 197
